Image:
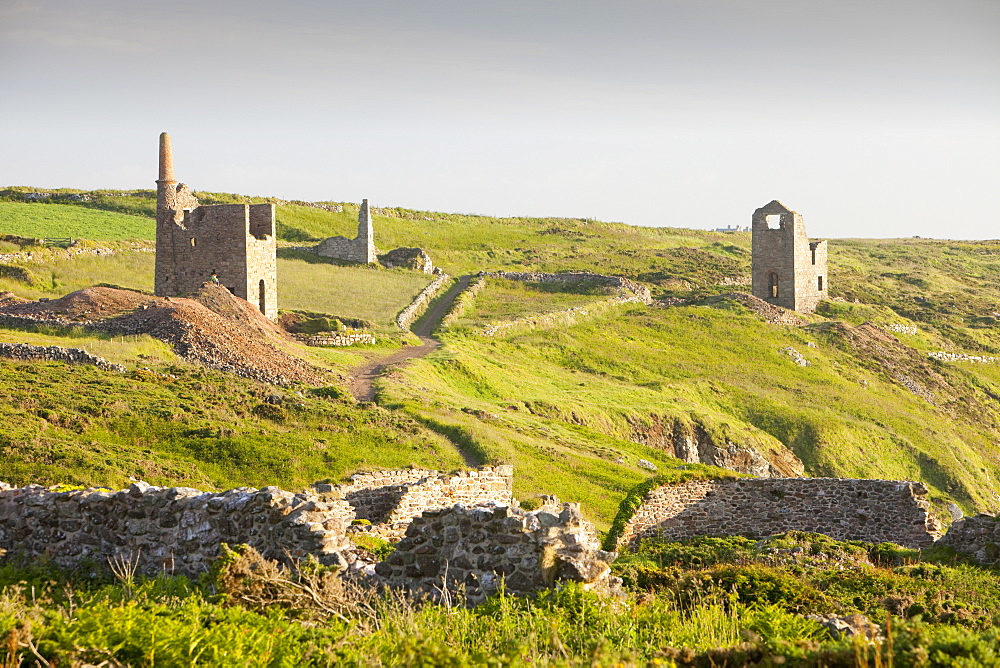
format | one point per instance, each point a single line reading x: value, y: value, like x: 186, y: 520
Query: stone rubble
x: 23, y: 351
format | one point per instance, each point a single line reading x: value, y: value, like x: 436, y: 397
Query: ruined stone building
x: 234, y: 241
x: 361, y: 249
x: 788, y: 269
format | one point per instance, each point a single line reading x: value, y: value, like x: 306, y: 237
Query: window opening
x: 772, y: 280
x: 773, y: 221
x: 263, y: 293
x: 813, y: 249
x: 820, y: 283
x: 192, y: 242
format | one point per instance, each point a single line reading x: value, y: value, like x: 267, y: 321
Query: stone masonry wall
x: 174, y: 529
x: 978, y: 536
x: 472, y: 549
x: 23, y: 351
x: 361, y: 249
x: 844, y: 509
x: 409, y: 314
x: 335, y: 338
x: 391, y: 499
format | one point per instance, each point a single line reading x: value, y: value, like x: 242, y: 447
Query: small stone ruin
x: 470, y: 550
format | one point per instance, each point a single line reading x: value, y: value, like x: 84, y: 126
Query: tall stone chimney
x: 365, y: 242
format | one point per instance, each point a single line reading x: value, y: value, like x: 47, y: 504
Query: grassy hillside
x: 64, y: 220
x: 571, y: 406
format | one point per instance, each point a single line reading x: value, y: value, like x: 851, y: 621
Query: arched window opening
x: 263, y: 294
x: 772, y: 280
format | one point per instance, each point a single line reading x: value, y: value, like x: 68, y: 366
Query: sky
x: 871, y: 118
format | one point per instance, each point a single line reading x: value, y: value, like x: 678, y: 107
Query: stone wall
x: 177, y: 529
x: 978, y: 536
x: 409, y: 314
x: 788, y: 270
x: 23, y: 351
x: 469, y: 550
x: 640, y: 292
x: 844, y: 509
x: 391, y: 499
x: 327, y: 339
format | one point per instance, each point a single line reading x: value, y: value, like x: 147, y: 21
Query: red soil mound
x: 214, y: 328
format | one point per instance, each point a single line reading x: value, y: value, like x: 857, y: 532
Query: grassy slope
x: 562, y: 405
x: 64, y: 220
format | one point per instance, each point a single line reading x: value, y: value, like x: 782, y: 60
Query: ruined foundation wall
x: 844, y: 509
x: 978, y: 536
x: 472, y: 549
x: 174, y: 529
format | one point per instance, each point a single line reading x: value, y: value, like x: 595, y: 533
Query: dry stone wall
x: 640, y: 292
x: 472, y: 550
x: 176, y: 529
x: 328, y: 339
x: 409, y: 314
x: 23, y: 351
x: 844, y: 509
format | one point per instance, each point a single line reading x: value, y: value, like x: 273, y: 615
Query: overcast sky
x: 872, y: 118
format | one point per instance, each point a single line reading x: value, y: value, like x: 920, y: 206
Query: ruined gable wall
x: 978, y: 536
x: 844, y: 509
x: 174, y: 529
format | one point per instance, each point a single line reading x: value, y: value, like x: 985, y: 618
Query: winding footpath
x: 362, y: 378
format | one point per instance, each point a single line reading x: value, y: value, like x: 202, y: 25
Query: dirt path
x: 363, y: 377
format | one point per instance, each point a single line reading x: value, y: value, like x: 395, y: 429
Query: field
x: 64, y: 220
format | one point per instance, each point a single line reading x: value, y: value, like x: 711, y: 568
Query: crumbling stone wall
x: 844, y: 509
x: 335, y: 338
x: 640, y: 292
x: 234, y: 241
x: 978, y: 536
x: 176, y: 529
x: 788, y: 270
x: 409, y: 314
x: 472, y: 549
x: 23, y: 351
x: 391, y: 499
x: 360, y: 249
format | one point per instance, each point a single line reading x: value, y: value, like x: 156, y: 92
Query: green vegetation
x: 186, y: 426
x: 710, y: 602
x: 64, y: 220
x: 368, y: 293
x: 502, y: 299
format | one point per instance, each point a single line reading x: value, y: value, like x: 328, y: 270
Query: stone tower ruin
x: 788, y: 269
x: 234, y: 241
x: 361, y: 249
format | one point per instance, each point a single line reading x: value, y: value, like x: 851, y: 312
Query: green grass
x: 139, y: 350
x: 501, y: 299
x: 185, y: 426
x: 63, y: 220
x: 370, y: 293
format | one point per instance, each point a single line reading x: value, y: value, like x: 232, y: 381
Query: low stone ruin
x: 978, y: 535
x: 471, y: 550
x: 172, y: 529
x: 24, y: 351
x: 408, y: 258
x: 875, y: 511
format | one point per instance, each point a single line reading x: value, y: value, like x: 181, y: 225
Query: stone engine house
x: 234, y: 241
x: 788, y: 269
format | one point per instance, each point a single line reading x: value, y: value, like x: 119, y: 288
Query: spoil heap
x: 213, y: 328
